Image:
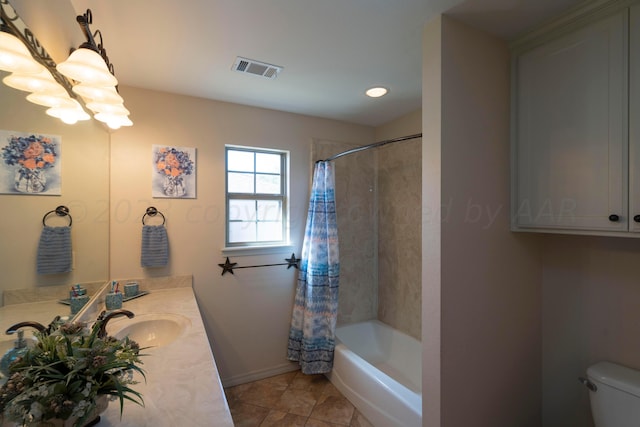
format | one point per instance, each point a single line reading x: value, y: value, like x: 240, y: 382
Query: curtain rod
x: 374, y: 145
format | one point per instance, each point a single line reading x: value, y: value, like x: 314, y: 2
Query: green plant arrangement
x: 66, y: 373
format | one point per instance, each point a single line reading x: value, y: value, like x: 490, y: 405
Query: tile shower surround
x: 378, y: 198
x: 399, y: 236
x: 355, y: 208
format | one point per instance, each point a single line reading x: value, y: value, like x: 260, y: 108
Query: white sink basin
x: 150, y: 330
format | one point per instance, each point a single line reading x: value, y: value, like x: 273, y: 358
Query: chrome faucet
x: 104, y: 317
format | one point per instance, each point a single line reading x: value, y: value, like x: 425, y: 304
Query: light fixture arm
x: 12, y: 24
x: 84, y: 21
x: 89, y: 80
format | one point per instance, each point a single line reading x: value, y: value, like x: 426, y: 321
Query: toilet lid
x: 616, y: 376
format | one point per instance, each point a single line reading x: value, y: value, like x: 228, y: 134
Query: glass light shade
x: 15, y: 57
x: 114, y: 121
x: 115, y: 109
x: 40, y: 82
x: 69, y: 115
x: 51, y: 99
x: 106, y: 94
x: 87, y: 66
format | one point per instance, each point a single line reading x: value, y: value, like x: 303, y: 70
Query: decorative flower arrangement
x: 30, y: 152
x: 33, y: 154
x: 66, y: 373
x: 172, y: 164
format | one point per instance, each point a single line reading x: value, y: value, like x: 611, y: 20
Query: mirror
x: 84, y: 154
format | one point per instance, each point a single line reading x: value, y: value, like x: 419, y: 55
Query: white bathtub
x: 379, y: 370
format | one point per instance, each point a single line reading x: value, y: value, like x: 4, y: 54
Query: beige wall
x: 591, y: 298
x: 490, y: 339
x: 247, y: 314
x: 85, y: 191
x: 431, y: 221
x: 399, y: 237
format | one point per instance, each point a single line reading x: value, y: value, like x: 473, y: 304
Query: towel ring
x: 60, y: 211
x: 151, y: 211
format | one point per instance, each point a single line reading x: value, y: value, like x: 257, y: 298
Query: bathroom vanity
x: 182, y: 384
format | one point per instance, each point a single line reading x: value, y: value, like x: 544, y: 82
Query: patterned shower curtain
x: 311, y: 337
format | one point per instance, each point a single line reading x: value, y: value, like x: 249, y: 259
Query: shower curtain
x: 311, y: 337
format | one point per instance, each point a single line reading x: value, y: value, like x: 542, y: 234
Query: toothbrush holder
x: 77, y: 292
x: 131, y: 289
x: 113, y: 300
x: 77, y: 302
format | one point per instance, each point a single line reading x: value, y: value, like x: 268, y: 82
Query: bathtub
x: 379, y: 370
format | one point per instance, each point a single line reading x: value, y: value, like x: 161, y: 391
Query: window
x: 256, y: 189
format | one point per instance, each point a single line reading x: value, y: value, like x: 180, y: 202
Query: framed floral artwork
x: 30, y: 163
x: 173, y: 172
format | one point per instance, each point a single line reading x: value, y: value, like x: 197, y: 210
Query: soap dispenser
x: 20, y: 347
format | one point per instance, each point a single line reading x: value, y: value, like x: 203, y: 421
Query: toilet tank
x: 615, y: 402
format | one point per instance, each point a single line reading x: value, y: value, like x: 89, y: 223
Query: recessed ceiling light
x: 376, y: 92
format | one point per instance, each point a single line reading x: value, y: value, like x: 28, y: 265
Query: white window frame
x: 283, y: 197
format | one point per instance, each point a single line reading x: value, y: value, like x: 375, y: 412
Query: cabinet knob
x: 614, y: 218
x: 636, y: 218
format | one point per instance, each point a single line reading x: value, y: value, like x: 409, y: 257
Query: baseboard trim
x: 259, y: 374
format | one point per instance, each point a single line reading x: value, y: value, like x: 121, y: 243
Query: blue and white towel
x: 54, y: 250
x: 155, y: 246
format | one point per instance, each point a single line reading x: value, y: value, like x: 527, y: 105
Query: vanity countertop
x: 182, y: 387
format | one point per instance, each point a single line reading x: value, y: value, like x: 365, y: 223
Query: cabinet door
x: 571, y: 131
x: 634, y: 119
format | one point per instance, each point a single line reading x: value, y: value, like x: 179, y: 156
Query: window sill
x: 257, y: 250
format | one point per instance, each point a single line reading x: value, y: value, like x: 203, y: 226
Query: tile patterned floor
x: 292, y: 399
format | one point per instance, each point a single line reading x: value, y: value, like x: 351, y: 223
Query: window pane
x: 269, y: 210
x: 267, y: 184
x: 269, y: 231
x: 241, y: 161
x: 242, y: 232
x: 240, y: 182
x: 269, y: 163
x: 242, y: 210
x: 255, y: 196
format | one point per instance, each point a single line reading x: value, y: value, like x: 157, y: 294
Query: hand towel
x: 155, y: 246
x: 54, y: 250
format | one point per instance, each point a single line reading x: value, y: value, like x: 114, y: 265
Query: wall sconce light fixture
x: 87, y: 74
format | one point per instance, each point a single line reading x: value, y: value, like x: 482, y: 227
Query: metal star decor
x: 228, y: 266
x: 293, y: 261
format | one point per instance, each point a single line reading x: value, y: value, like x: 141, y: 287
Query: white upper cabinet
x: 573, y: 155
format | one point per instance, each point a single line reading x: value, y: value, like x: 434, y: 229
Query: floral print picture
x: 174, y: 172
x: 30, y: 163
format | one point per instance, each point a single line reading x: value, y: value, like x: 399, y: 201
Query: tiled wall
x: 355, y: 205
x: 399, y: 236
x: 379, y: 232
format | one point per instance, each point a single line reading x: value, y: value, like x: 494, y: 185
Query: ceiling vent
x: 257, y: 68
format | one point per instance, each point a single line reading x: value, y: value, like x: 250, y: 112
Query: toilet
x: 614, y: 392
